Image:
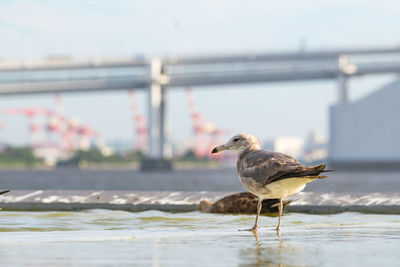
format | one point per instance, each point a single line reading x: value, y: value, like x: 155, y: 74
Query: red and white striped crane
x: 31, y: 114
x: 207, y: 135
x: 140, y: 123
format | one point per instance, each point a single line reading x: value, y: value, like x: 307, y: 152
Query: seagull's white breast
x: 279, y: 189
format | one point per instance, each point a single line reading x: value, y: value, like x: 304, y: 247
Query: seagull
x: 269, y: 174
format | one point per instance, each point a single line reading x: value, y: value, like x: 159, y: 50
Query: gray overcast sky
x: 87, y: 28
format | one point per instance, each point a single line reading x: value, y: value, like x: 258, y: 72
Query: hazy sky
x: 82, y: 29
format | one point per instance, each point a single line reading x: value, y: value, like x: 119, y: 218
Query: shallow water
x: 154, y: 238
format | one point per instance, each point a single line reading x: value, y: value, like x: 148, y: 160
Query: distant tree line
x: 94, y: 155
x: 18, y: 155
x: 190, y: 156
x: 24, y: 156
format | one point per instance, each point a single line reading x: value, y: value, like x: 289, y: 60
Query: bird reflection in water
x: 278, y: 234
x: 261, y: 255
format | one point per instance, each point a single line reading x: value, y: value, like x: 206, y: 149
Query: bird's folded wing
x: 266, y: 167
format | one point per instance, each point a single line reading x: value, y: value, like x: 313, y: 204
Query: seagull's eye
x: 236, y: 139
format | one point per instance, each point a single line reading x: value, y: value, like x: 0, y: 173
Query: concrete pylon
x: 345, y: 69
x: 156, y: 159
x: 342, y: 80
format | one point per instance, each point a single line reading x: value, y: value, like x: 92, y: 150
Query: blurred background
x: 134, y: 95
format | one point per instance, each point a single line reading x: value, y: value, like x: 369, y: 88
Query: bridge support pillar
x: 342, y: 80
x: 156, y: 158
x: 345, y: 69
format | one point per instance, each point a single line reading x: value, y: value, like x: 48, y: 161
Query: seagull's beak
x: 218, y: 149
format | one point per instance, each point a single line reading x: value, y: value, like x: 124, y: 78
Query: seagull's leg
x: 255, y: 227
x: 280, y: 215
x: 259, y: 205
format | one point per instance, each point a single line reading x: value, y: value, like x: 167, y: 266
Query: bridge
x: 157, y: 74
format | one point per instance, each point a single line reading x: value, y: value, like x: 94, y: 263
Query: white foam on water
x: 10, y: 198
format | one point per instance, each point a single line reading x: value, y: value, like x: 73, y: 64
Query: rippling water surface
x: 153, y: 238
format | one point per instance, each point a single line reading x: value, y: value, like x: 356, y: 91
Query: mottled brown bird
x: 241, y: 203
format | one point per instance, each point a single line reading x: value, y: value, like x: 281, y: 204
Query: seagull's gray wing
x: 265, y: 167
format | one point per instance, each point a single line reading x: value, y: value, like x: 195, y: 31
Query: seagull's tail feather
x: 309, y: 172
x: 320, y: 168
x: 3, y: 192
x: 315, y: 171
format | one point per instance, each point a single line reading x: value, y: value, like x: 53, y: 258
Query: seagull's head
x: 239, y: 143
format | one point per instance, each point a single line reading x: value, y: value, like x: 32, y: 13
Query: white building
x: 368, y: 130
x: 290, y: 145
x: 315, y: 148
